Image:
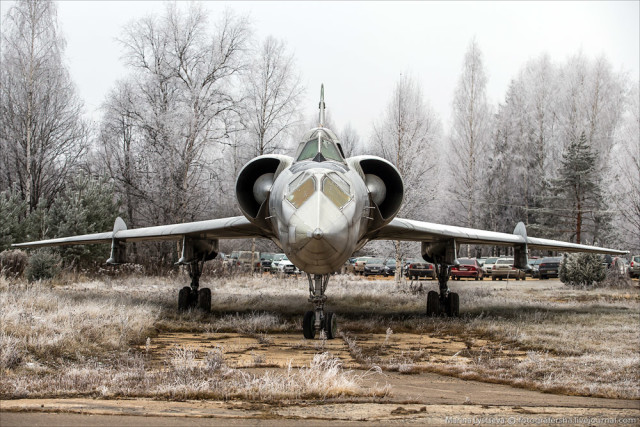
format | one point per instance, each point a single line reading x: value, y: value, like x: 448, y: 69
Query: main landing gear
x: 191, y: 297
x: 316, y: 321
x: 445, y: 303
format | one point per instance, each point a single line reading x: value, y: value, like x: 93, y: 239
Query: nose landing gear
x: 316, y: 321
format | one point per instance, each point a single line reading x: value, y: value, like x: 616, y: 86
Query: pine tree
x: 575, y: 202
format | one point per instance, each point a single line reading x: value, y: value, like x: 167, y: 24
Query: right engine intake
x: 384, y: 183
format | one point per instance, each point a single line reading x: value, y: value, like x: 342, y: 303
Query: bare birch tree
x: 184, y: 79
x: 42, y: 135
x: 626, y: 174
x: 274, y: 90
x: 407, y: 136
x: 350, y: 141
x: 469, y: 135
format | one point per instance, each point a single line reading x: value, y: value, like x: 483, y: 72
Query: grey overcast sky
x: 359, y: 49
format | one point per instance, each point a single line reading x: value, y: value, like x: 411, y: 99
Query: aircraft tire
x: 184, y: 297
x: 433, y: 304
x: 204, y: 299
x: 330, y: 325
x: 453, y: 305
x: 308, y: 325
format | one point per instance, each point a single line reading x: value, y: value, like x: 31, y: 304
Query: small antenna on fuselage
x: 321, y: 106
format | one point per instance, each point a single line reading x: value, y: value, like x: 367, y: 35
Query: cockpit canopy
x: 331, y: 184
x: 320, y: 144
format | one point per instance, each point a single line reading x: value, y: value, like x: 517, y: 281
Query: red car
x: 469, y: 267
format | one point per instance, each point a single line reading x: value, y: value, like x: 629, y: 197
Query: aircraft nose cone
x: 317, y: 234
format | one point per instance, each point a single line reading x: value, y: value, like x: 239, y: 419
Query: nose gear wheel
x: 317, y: 320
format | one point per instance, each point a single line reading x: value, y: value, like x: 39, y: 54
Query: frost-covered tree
x: 273, y: 89
x: 122, y: 149
x: 13, y: 210
x: 42, y: 135
x: 407, y: 135
x: 184, y: 73
x: 592, y: 101
x: 87, y: 205
x: 470, y: 133
x: 575, y: 203
x: 626, y: 175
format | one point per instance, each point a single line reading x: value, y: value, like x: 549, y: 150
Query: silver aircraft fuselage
x: 319, y: 213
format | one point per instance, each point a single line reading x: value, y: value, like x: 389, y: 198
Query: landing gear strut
x: 444, y: 303
x: 190, y: 297
x: 317, y: 320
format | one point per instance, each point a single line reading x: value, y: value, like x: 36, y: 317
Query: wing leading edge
x: 224, y: 228
x: 419, y: 231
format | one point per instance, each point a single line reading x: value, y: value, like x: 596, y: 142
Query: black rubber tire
x: 204, y: 299
x: 493, y: 278
x: 308, y: 325
x: 453, y: 305
x: 543, y: 277
x: 433, y: 304
x: 330, y: 325
x: 184, y: 299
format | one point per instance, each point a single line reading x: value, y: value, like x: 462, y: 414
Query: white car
x: 487, y: 266
x: 286, y: 267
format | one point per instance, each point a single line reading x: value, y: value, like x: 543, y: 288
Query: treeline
x: 553, y: 152
x: 203, y: 95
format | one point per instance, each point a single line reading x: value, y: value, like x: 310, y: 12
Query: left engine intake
x: 254, y: 182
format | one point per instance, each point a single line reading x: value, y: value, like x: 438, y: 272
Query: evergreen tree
x: 574, y: 205
x: 87, y: 206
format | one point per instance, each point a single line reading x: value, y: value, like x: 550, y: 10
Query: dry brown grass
x: 88, y: 338
x: 81, y: 339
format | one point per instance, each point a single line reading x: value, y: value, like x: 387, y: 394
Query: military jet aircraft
x: 319, y: 208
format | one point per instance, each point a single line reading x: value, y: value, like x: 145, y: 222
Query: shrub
x: 614, y: 278
x: 582, y: 270
x: 43, y: 265
x: 13, y: 263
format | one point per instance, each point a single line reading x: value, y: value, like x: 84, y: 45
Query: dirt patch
x: 290, y: 349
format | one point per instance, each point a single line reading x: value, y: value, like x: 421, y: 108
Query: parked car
x: 619, y: 265
x: 504, y: 269
x: 374, y: 266
x: 488, y: 265
x: 358, y: 266
x: 230, y: 260
x: 349, y: 266
x: 417, y: 268
x: 241, y: 261
x: 634, y: 266
x: 286, y: 267
x: 389, y: 267
x: 469, y: 267
x: 265, y: 260
x: 275, y: 261
x: 534, y: 263
x: 549, y: 267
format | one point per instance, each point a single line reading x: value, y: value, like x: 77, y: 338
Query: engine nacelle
x: 254, y: 182
x: 384, y: 184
